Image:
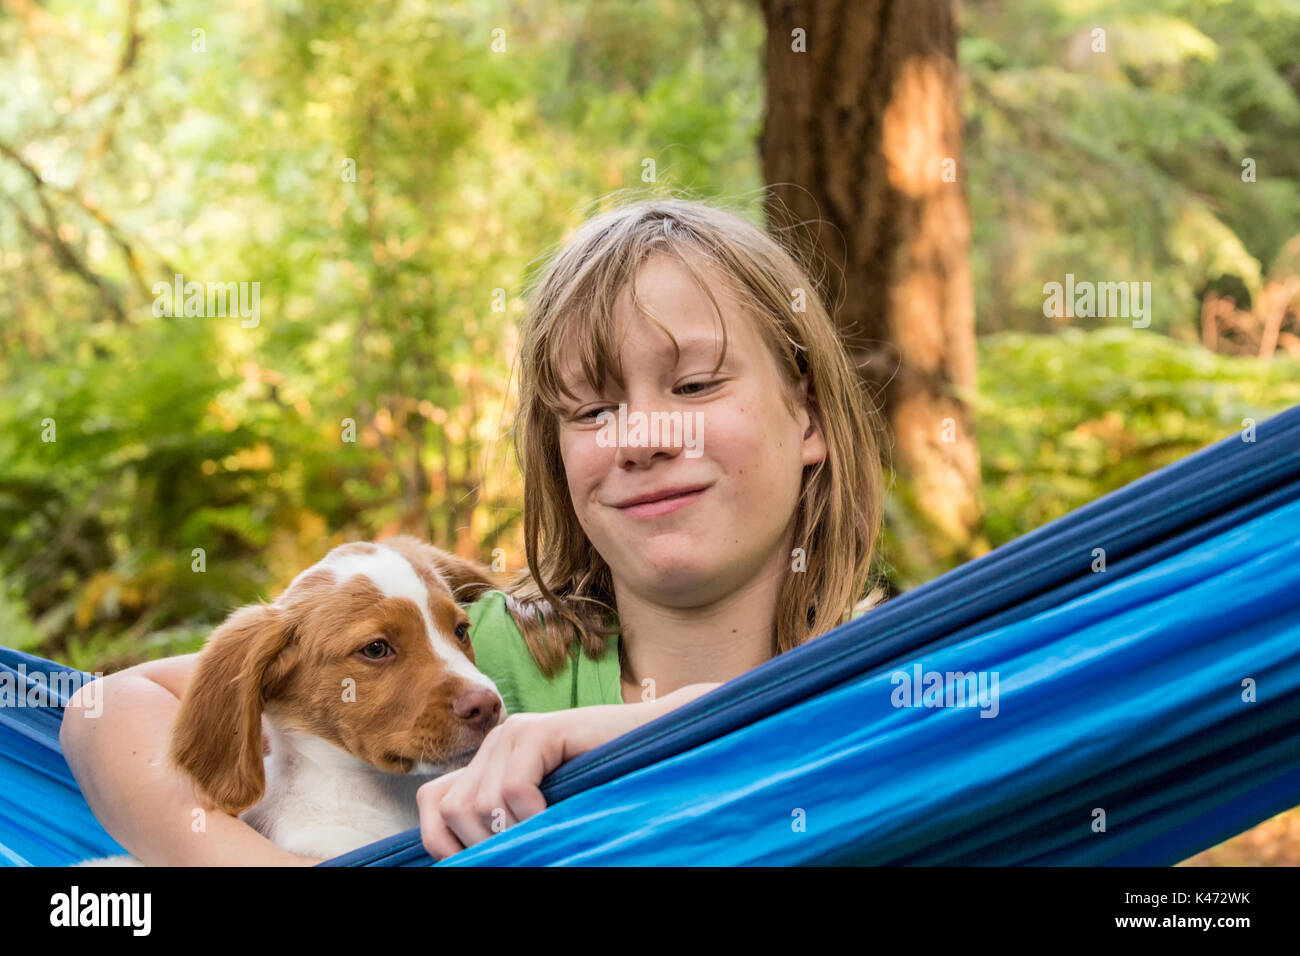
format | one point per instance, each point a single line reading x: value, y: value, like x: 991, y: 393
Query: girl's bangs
x: 582, y: 324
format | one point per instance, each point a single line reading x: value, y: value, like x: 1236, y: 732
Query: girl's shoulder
x: 501, y: 653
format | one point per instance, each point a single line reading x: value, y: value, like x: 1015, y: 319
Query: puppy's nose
x: 478, y: 707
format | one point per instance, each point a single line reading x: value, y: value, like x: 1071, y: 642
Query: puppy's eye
x: 376, y: 650
x: 462, y: 631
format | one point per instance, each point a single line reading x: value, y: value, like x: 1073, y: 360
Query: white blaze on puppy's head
x: 394, y: 575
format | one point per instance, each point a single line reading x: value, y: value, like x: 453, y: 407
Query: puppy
x: 364, y: 671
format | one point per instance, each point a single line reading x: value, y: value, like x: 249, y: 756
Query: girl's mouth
x: 663, y: 506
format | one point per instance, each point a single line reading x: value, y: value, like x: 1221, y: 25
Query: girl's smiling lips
x: 662, y: 502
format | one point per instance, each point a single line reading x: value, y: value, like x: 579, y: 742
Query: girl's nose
x: 645, y: 429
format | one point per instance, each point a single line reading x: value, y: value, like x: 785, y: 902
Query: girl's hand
x: 501, y: 786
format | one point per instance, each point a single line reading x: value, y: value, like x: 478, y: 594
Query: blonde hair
x: 567, y: 592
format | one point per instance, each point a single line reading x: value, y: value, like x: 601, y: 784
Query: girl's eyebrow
x: 695, y: 345
x: 690, y: 347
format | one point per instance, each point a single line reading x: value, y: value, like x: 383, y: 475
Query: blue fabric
x: 44, y: 820
x: 1118, y: 691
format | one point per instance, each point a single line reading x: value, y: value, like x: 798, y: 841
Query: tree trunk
x: 863, y: 132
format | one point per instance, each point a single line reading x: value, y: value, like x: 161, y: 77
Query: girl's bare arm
x: 503, y: 781
x: 116, y: 744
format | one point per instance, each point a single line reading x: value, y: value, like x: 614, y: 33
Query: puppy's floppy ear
x: 217, y: 737
x: 467, y: 579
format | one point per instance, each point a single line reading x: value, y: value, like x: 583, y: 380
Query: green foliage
x: 118, y: 467
x: 1064, y: 419
x: 1125, y: 163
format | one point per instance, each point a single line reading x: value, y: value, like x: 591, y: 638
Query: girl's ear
x: 217, y: 737
x: 814, y: 440
x: 468, y: 580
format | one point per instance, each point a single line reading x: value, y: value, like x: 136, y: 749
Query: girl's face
x: 739, y: 453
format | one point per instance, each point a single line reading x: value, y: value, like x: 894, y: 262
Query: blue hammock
x: 1140, y: 713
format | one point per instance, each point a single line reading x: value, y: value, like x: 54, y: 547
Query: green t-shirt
x: 500, y: 652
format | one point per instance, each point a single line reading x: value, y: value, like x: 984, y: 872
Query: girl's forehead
x: 637, y: 342
x: 671, y: 320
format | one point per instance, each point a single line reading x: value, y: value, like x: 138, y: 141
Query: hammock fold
x: 1134, y: 715
x: 44, y: 820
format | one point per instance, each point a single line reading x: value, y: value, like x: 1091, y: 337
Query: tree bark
x: 862, y: 137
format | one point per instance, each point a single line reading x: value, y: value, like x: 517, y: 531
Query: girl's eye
x: 376, y: 650
x: 591, y: 415
x: 462, y: 631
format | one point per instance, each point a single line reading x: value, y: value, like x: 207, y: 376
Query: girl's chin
x: 670, y: 563
x: 675, y: 579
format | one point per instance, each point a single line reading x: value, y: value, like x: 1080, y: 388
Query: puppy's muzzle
x: 478, y: 709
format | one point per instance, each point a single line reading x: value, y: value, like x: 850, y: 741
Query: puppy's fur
x: 365, y: 673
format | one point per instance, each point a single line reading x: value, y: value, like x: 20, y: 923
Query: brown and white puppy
x: 365, y: 673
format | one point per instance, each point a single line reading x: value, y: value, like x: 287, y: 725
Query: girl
x: 660, y: 564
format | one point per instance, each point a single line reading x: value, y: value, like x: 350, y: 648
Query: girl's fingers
x: 459, y: 806
x: 498, y: 789
x: 493, y: 807
x: 438, y: 839
x: 520, y: 785
x: 515, y: 786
